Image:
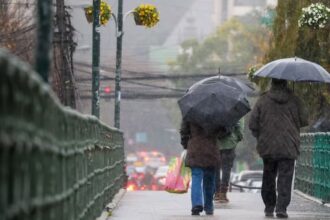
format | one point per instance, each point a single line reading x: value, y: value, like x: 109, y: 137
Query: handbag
x: 178, y: 175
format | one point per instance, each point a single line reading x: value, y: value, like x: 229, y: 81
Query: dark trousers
x: 226, y: 163
x: 282, y: 169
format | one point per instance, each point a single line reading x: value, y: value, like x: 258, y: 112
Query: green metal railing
x: 313, y: 166
x: 54, y: 162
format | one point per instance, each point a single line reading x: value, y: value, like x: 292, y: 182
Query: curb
x: 311, y: 198
x: 107, y: 212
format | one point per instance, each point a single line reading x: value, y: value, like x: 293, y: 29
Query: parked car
x: 244, y: 178
x: 255, y: 185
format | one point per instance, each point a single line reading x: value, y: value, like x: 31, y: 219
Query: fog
x: 148, y: 124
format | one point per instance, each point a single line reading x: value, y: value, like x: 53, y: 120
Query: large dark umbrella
x: 294, y: 69
x: 213, y: 104
x: 230, y: 81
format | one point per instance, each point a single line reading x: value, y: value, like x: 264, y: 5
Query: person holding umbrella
x: 275, y: 121
x: 207, y: 106
x: 203, y: 158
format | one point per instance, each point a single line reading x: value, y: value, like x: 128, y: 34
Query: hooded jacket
x: 201, y: 147
x: 275, y: 121
x: 230, y: 140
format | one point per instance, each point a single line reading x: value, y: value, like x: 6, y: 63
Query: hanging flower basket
x: 105, y: 13
x: 89, y: 14
x: 137, y: 19
x: 316, y: 16
x: 146, y: 15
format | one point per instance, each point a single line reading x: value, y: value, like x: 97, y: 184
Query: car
x: 255, y: 185
x: 160, y: 176
x: 241, y: 181
x: 131, y: 158
x: 250, y: 174
x: 152, y: 159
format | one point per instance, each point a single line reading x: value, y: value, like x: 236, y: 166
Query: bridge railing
x: 313, y: 166
x: 55, y: 163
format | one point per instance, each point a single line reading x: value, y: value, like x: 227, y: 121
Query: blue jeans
x: 203, y: 187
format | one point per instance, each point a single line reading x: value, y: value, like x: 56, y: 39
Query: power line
x: 165, y: 77
x: 164, y: 73
x: 153, y: 86
x: 138, y: 96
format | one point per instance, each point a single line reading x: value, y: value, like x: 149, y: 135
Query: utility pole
x: 63, y: 44
x: 44, y: 41
x: 118, y: 63
x: 96, y: 59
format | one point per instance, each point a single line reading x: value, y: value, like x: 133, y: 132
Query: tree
x: 230, y: 47
x: 17, y: 29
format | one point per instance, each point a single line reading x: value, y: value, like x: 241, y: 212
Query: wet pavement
x: 160, y: 205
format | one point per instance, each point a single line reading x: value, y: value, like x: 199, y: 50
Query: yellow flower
x: 147, y: 14
x: 105, y: 12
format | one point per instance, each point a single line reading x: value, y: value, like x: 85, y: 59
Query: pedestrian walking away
x: 226, y: 143
x: 203, y: 158
x: 275, y: 121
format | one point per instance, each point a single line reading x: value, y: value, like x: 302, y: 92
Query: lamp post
x: 148, y: 21
x: 146, y: 15
x: 118, y: 63
x: 96, y: 60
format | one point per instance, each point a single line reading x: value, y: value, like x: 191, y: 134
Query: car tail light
x: 131, y: 187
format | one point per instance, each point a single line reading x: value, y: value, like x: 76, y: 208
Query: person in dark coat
x: 203, y: 158
x: 275, y: 121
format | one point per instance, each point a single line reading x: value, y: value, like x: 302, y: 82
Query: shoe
x: 223, y: 198
x: 282, y: 215
x: 216, y: 196
x: 269, y: 214
x: 269, y: 211
x: 209, y: 212
x: 196, y: 210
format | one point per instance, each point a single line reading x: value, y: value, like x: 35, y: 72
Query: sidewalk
x: 159, y: 205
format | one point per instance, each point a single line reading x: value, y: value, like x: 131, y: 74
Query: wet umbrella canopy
x: 230, y: 81
x: 294, y: 69
x: 213, y: 104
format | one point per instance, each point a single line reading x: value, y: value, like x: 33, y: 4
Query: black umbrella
x: 230, y: 81
x: 213, y: 104
x: 294, y: 69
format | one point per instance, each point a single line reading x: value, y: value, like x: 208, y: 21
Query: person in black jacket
x: 275, y: 121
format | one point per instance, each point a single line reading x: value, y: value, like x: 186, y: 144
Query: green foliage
x: 229, y: 48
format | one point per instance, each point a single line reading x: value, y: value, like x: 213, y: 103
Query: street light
x: 139, y: 21
x: 96, y: 60
x: 145, y: 15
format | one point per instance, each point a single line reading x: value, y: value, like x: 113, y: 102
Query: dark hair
x: 279, y: 83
